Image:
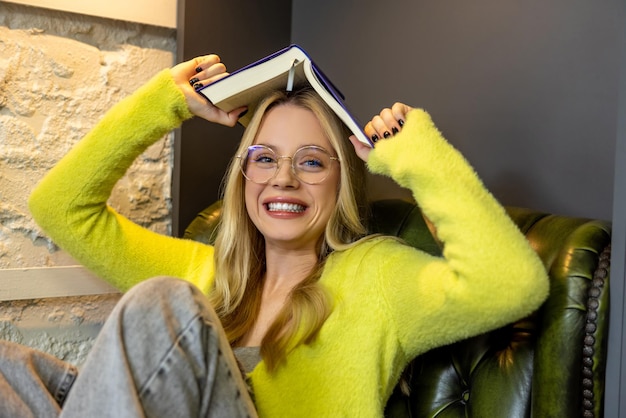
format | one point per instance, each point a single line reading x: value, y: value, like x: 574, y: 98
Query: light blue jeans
x: 161, y: 353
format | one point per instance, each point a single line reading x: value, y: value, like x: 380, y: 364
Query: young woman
x: 323, y: 317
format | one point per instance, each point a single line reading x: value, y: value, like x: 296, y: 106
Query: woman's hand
x: 382, y: 127
x: 198, y: 72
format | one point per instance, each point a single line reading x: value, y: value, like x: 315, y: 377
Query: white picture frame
x: 150, y: 12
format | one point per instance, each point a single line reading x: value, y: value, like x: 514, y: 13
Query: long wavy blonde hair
x: 240, y: 247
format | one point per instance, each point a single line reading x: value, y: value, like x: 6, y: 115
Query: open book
x: 289, y: 68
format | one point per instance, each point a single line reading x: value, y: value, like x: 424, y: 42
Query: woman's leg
x: 32, y: 383
x: 161, y: 353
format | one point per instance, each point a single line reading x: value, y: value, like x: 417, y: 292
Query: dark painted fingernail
x: 242, y: 114
x: 193, y: 81
x: 198, y: 86
x: 375, y: 138
x: 386, y: 134
x: 198, y: 69
x: 394, y: 130
x: 400, y: 122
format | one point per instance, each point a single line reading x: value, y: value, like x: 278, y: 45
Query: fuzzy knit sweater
x: 391, y: 302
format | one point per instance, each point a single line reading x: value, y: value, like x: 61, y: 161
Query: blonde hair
x: 240, y: 247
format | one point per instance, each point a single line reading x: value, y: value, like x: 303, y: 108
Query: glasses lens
x: 312, y: 164
x: 260, y: 164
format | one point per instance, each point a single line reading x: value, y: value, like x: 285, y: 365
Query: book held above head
x: 289, y: 68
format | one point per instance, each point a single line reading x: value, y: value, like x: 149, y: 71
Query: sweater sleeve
x: 70, y: 205
x: 488, y: 275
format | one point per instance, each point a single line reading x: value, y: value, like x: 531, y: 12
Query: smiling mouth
x: 285, y: 207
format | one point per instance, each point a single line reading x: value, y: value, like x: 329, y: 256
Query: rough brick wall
x: 59, y: 72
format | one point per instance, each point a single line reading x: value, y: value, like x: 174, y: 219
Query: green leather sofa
x: 550, y: 364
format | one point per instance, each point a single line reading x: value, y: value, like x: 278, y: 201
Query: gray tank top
x: 248, y: 357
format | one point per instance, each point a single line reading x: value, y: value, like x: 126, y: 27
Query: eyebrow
x: 333, y: 153
x: 275, y: 149
x: 265, y: 145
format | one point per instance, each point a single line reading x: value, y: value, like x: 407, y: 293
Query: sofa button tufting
x: 465, y: 396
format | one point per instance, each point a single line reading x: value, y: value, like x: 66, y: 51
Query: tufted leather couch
x: 550, y: 364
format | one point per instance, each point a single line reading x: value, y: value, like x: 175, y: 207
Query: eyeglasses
x: 310, y: 164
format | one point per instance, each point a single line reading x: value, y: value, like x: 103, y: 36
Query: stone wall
x: 65, y: 327
x: 59, y: 73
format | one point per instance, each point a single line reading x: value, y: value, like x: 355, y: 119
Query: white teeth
x: 285, y: 207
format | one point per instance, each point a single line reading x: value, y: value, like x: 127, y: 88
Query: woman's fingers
x: 388, y: 122
x: 208, y: 70
x: 199, y: 72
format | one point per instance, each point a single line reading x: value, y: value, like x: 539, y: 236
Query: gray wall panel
x: 526, y: 90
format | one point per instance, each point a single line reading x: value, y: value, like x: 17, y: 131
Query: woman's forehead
x: 288, y: 126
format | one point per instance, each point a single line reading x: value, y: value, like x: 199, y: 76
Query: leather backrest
x: 550, y: 364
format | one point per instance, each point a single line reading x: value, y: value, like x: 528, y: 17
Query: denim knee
x: 159, y: 285
x: 168, y: 297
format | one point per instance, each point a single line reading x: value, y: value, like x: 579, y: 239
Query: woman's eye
x: 263, y: 159
x: 313, y: 163
x: 310, y: 163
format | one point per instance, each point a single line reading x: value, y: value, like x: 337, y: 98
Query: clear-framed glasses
x: 310, y: 164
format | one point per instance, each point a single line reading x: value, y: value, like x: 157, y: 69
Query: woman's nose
x: 284, y: 174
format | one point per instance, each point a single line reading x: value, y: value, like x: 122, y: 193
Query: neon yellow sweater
x: 391, y: 302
